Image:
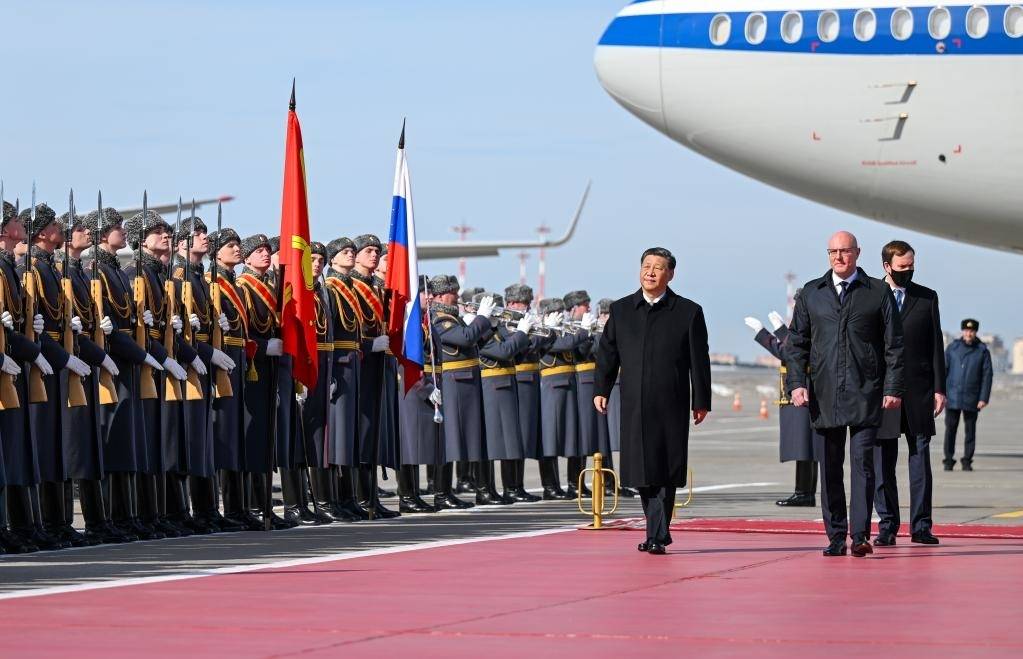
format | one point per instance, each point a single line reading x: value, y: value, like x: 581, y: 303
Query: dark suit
x: 848, y: 354
x: 659, y: 352
x: 924, y: 375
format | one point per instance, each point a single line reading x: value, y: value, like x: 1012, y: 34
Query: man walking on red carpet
x: 658, y: 340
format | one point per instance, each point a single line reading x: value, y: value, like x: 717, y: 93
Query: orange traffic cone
x: 764, y: 414
x: 737, y: 402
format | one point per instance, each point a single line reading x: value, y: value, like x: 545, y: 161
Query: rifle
x: 107, y: 390
x: 222, y: 379
x: 36, y: 386
x: 9, y: 399
x: 147, y: 385
x: 278, y: 310
x: 193, y: 389
x: 172, y: 388
x: 75, y: 389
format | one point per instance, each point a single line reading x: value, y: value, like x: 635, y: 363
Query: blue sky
x: 506, y: 122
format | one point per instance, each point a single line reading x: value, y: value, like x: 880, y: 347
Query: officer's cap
x: 551, y: 304
x: 252, y: 243
x: 442, y: 284
x: 133, y: 227
x: 576, y: 298
x: 338, y: 244
x: 518, y: 293
x: 366, y: 240
x: 970, y: 324
x: 44, y: 217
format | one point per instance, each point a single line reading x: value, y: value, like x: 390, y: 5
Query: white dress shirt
x: 652, y: 301
x: 836, y: 281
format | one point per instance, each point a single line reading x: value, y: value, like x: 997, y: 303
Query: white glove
x: 37, y: 324
x: 198, y: 366
x: 174, y: 369
x: 147, y: 317
x: 552, y: 320
x: 274, y: 347
x: 436, y: 398
x: 468, y: 318
x: 525, y: 324
x: 776, y: 320
x: 7, y: 320
x: 109, y: 365
x: 106, y: 325
x: 222, y: 361
x: 300, y: 396
x: 76, y: 324
x: 381, y: 343
x: 10, y: 366
x: 193, y: 320
x: 177, y: 324
x: 152, y: 363
x: 486, y: 307
x: 222, y: 321
x: 43, y: 365
x: 333, y: 388
x: 588, y: 321
x: 77, y: 366
x: 754, y: 324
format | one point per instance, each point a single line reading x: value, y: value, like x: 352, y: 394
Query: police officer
x: 969, y: 390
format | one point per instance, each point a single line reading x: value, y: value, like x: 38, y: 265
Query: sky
x: 506, y: 123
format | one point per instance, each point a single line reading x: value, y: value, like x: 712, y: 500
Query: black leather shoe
x: 643, y: 546
x: 451, y: 502
x: 861, y: 547
x: 103, y: 534
x: 385, y: 494
x: 836, y: 548
x: 12, y: 543
x: 354, y: 510
x: 170, y: 529
x: 321, y: 515
x: 70, y: 536
x: 464, y: 487
x: 625, y: 493
x: 656, y: 548
x: 924, y: 538
x: 885, y: 540
x: 225, y: 524
x: 413, y: 504
x: 554, y: 494
x: 571, y: 492
x: 196, y: 525
x: 967, y: 466
x: 586, y: 492
x: 246, y: 520
x: 380, y: 512
x: 484, y: 498
x: 798, y: 500
x: 950, y: 465
x: 295, y: 514
x: 520, y: 494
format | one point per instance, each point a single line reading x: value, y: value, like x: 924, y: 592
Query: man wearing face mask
x: 924, y: 399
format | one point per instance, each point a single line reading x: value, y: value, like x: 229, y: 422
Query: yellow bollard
x: 597, y: 508
x: 688, y: 500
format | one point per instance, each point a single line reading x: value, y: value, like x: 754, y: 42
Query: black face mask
x: 901, y: 278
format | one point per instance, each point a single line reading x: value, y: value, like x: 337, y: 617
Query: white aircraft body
x: 907, y: 114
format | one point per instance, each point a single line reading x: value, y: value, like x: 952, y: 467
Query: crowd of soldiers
x: 159, y: 395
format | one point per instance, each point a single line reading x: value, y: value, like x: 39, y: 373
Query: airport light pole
x: 523, y: 256
x: 463, y: 230
x: 543, y: 231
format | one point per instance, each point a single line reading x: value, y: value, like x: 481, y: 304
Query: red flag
x: 298, y: 315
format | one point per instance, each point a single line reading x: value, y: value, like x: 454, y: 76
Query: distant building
x: 767, y: 361
x: 723, y: 358
x: 1017, y: 357
x: 999, y: 353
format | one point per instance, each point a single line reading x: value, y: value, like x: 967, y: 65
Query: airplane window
x: 902, y: 24
x: 720, y: 29
x: 977, y: 22
x: 827, y: 26
x: 1013, y: 21
x: 865, y: 25
x: 756, y: 28
x: 939, y: 23
x: 792, y: 27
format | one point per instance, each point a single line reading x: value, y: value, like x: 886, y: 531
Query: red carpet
x: 572, y: 594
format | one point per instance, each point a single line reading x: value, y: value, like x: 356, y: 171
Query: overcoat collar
x: 669, y: 299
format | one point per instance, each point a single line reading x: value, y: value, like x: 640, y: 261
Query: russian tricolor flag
x: 405, y: 323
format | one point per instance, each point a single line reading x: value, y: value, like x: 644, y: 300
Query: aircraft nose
x: 627, y: 61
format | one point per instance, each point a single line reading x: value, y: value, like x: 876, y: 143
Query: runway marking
x: 1012, y: 515
x: 275, y: 565
x: 729, y: 486
x: 731, y: 431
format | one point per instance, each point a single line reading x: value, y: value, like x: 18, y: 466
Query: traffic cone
x: 737, y: 402
x: 764, y: 414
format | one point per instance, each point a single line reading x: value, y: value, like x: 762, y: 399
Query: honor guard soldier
x: 577, y: 305
x: 83, y: 446
x: 518, y: 297
x: 21, y: 474
x: 122, y: 424
x: 151, y: 236
x: 338, y: 488
x: 267, y: 372
x: 460, y: 379
x: 229, y: 441
x: 374, y: 344
x: 463, y: 471
x: 503, y: 429
x: 388, y: 451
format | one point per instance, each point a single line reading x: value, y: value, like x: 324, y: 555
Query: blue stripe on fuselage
x: 693, y: 31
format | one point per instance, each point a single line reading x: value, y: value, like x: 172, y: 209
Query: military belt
x: 54, y: 335
x: 585, y: 366
x: 497, y: 372
x: 460, y: 364
x: 154, y: 333
x: 324, y: 347
x: 428, y: 368
x: 557, y: 370
x: 234, y: 341
x: 205, y: 338
x: 346, y: 345
x: 529, y: 367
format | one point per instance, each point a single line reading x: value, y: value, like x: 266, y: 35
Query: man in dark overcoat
x: 655, y: 342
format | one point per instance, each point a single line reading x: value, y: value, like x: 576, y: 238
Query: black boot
x: 444, y: 498
x: 260, y: 484
x: 517, y: 473
x: 465, y: 485
x: 54, y: 523
x: 235, y: 509
x: 486, y: 492
x: 549, y: 478
x: 147, y: 510
x: 431, y: 471
x: 97, y: 527
x: 321, y: 515
x: 122, y: 504
x: 294, y: 510
x: 409, y: 500
x: 367, y: 490
x: 575, y: 467
x: 11, y: 543
x: 346, y: 496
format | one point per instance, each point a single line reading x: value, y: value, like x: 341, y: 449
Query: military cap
x: 424, y: 284
x: 133, y: 226
x: 518, y: 293
x: 498, y: 300
x: 223, y: 237
x: 190, y: 225
x: 970, y: 324
x: 604, y: 305
x: 111, y: 219
x: 442, y: 284
x: 576, y: 298
x: 8, y: 212
x: 366, y: 240
x: 550, y: 305
x: 44, y: 216
x: 69, y: 224
x: 275, y: 244
x: 383, y: 250
x: 315, y: 247
x: 469, y: 293
x: 338, y: 244
x: 252, y: 243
